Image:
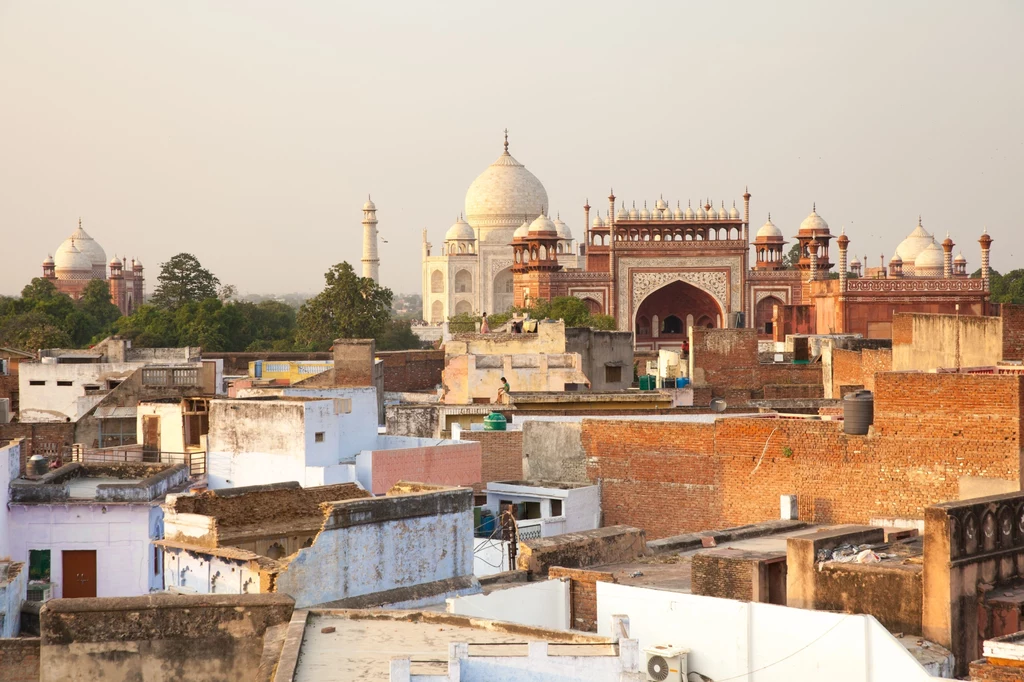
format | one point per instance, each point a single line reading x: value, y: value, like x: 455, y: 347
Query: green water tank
x: 495, y: 421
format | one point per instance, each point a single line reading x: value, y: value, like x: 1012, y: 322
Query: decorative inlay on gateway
x: 781, y: 294
x: 595, y: 295
x: 915, y: 284
x: 499, y: 264
x: 714, y: 283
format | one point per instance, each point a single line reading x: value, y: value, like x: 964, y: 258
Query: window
x: 556, y: 506
x: 612, y: 375
x: 92, y: 388
x: 65, y: 383
x: 36, y: 382
x: 156, y: 561
x: 39, y: 564
x: 319, y: 436
x: 275, y: 551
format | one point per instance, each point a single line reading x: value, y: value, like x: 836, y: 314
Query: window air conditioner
x: 666, y: 663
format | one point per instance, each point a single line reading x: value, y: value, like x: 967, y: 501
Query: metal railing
x: 170, y: 376
x: 194, y: 460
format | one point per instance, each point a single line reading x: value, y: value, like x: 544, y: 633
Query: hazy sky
x: 249, y: 133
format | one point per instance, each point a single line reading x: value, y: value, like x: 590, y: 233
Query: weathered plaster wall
x: 52, y: 402
x: 13, y: 582
x: 553, y: 451
x: 172, y: 426
x: 476, y: 378
x: 19, y: 659
x: 542, y: 604
x: 159, y: 637
x: 10, y: 463
x: 600, y: 349
x: 381, y: 544
x: 120, y: 534
x: 927, y: 342
x: 550, y: 338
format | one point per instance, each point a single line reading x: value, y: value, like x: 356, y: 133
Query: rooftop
x: 360, y: 644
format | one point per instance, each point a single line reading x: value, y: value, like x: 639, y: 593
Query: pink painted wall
x: 442, y: 465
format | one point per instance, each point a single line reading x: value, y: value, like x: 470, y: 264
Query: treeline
x: 190, y: 307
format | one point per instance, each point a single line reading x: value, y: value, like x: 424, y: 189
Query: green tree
x: 398, y: 335
x: 33, y: 330
x: 792, y: 257
x: 349, y: 307
x: 183, y: 280
x: 149, y: 327
x: 94, y: 316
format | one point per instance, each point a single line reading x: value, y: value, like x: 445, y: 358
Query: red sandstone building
x: 661, y: 272
x: 80, y: 259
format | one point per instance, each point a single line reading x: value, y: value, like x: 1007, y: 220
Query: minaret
x: 947, y: 257
x: 986, y: 245
x: 843, y: 242
x: 610, y: 305
x: 586, y: 223
x: 371, y: 263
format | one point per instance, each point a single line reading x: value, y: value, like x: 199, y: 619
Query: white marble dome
x: 597, y: 221
x: 71, y: 262
x: 503, y: 194
x: 369, y: 205
x: 814, y: 222
x: 916, y: 242
x: 460, y: 230
x: 723, y: 214
x: 768, y: 230
x: 734, y: 213
x: 48, y: 261
x: 678, y: 215
x: 522, y: 231
x: 622, y: 214
x: 562, y: 229
x: 960, y: 258
x: 87, y: 245
x: 690, y: 215
x: 542, y: 224
x: 929, y: 261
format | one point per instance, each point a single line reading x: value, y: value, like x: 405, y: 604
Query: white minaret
x: 371, y: 263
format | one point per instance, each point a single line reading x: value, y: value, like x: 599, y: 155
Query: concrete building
x: 546, y: 508
x: 331, y: 544
x: 85, y: 529
x: 80, y: 259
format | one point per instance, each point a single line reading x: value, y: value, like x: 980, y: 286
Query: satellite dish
x: 718, y: 405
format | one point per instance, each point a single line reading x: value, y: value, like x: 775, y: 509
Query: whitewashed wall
x: 489, y: 556
x: 120, y: 535
x: 12, y: 595
x: 374, y: 557
x: 56, y: 403
x: 582, y: 509
x: 10, y: 466
x: 543, y: 604
x: 209, y: 574
x: 729, y: 639
x: 172, y: 425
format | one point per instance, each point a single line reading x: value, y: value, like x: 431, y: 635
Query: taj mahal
x: 659, y: 269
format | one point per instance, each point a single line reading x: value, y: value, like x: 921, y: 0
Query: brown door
x: 777, y: 583
x: 151, y: 433
x: 79, y: 573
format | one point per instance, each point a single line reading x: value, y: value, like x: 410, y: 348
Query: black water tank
x: 858, y: 412
x: 38, y: 465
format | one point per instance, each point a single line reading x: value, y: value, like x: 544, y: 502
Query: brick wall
x: 727, y: 361
x: 455, y: 464
x: 778, y: 392
x: 931, y: 430
x: 715, y: 575
x: 501, y: 455
x: 874, y: 362
x: 582, y: 594
x: 19, y: 659
x: 42, y: 438
x: 1013, y: 331
x: 412, y: 370
x: 983, y: 671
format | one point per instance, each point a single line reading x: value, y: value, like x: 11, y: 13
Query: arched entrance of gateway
x: 663, y: 318
x: 763, y: 313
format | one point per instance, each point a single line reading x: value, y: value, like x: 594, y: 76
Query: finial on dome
x: 506, y: 140
x: 814, y: 207
x: 842, y: 230
x: 79, y: 222
x: 769, y: 216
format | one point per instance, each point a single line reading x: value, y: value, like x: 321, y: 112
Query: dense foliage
x: 349, y: 307
x: 45, y: 318
x: 573, y: 311
x: 1008, y: 288
x: 183, y: 280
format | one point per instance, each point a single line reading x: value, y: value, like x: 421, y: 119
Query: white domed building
x: 473, y: 272
x: 80, y: 259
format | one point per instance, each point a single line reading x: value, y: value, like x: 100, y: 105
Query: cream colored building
x: 471, y: 272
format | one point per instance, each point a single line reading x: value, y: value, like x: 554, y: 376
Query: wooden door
x: 151, y: 433
x: 79, y: 573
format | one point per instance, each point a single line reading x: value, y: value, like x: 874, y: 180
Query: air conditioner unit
x: 666, y: 663
x: 39, y: 591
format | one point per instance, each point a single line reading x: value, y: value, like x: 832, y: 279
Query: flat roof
x: 84, y: 487
x: 362, y: 644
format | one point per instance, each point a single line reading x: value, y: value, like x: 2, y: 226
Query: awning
x: 114, y: 412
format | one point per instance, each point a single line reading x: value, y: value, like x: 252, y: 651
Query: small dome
x: 48, y: 261
x: 896, y: 259
x: 597, y: 220
x: 622, y: 214
x: 814, y: 222
x: 644, y: 213
x: 460, y: 230
x: 115, y: 262
x: 768, y: 230
x: 522, y: 232
x: 70, y: 258
x: 960, y: 258
x: 678, y: 214
x: 916, y: 242
x: 562, y: 229
x: 929, y: 259
x: 369, y: 205
x: 734, y: 213
x: 701, y: 215
x: 542, y: 224
x: 723, y: 214
x: 854, y: 262
x: 660, y: 204
x: 136, y: 263
x: 690, y: 215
